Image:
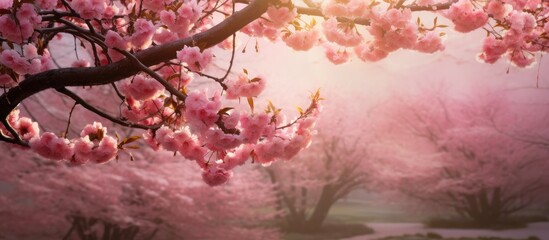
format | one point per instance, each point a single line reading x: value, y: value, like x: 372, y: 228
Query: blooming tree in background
x: 149, y: 51
x: 455, y: 152
x: 158, y: 199
x: 311, y: 183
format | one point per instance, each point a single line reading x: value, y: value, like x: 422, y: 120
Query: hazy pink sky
x: 292, y: 75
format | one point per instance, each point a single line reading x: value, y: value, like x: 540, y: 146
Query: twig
x: 86, y: 105
x: 69, y: 121
x: 160, y: 79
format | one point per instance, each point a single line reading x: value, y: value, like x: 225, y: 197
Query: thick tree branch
x: 101, y: 75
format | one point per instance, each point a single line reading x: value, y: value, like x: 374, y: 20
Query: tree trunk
x: 484, y: 211
x: 321, y: 209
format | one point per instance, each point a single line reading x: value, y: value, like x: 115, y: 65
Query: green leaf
x: 224, y: 111
x: 169, y: 103
x: 251, y: 103
x: 173, y: 76
x: 255, y: 79
x: 300, y: 110
x: 130, y: 139
x: 313, y: 22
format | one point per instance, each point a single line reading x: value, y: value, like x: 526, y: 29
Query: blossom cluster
x: 369, y: 30
x: 521, y: 27
x: 195, y: 59
x: 388, y: 28
x: 27, y: 61
x: 199, y: 124
x: 219, y: 139
x: 93, y: 145
x: 20, y: 26
x: 243, y: 86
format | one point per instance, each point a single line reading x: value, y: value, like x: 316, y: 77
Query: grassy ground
x: 347, y: 218
x: 365, y: 208
x: 363, y: 211
x: 332, y: 232
x: 434, y: 236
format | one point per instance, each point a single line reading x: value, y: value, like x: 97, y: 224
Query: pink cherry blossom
x: 429, y: 43
x: 30, y: 64
x: 201, y: 111
x: 216, y: 176
x: 106, y: 150
x: 50, y: 146
x: 194, y: 58
x: 393, y: 29
x: 344, y: 35
x: 83, y: 151
x: 350, y: 9
x: 492, y: 49
x: 89, y: 9
x: 4, y: 4
x: 255, y: 126
x: 156, y: 5
x: 232, y: 120
x: 114, y: 40
x: 280, y: 16
x: 521, y: 58
x: 141, y: 87
x: 94, y: 145
x: 22, y: 29
x: 370, y: 52
x: 81, y: 63
x: 237, y: 157
x: 498, y: 9
x: 302, y: 40
x: 522, y: 22
x: 144, y: 32
x: 336, y: 56
x: 163, y: 35
x: 217, y: 140
x: 243, y: 86
x: 465, y: 17
x: 27, y: 128
x: 190, y: 11
x: 261, y: 28
x: 6, y: 81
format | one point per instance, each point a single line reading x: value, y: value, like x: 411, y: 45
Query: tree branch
x: 91, y: 108
x: 101, y: 75
x: 316, y: 11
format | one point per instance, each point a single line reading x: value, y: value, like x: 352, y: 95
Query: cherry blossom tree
x: 155, y: 199
x: 310, y: 184
x: 149, y: 51
x: 448, y: 151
